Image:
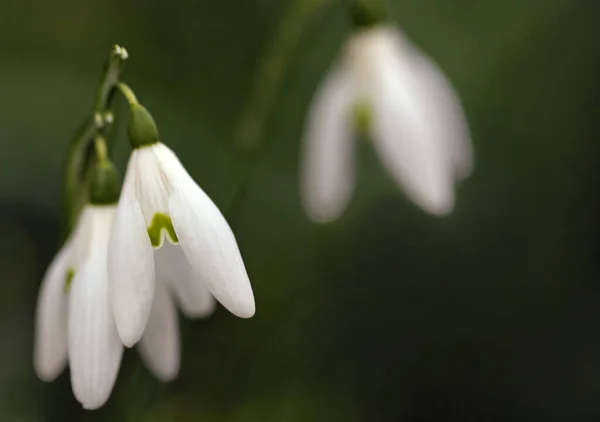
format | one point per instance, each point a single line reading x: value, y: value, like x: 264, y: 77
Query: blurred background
x: 490, y: 314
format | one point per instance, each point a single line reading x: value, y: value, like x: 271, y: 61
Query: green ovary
x: 159, y: 223
x: 361, y: 117
x: 69, y: 279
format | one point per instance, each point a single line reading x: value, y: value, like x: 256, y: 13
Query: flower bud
x: 142, y: 128
x: 367, y: 13
x: 105, y: 185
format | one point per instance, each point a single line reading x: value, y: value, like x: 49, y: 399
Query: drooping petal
x: 50, y: 347
x: 409, y: 146
x: 152, y: 187
x: 159, y: 346
x: 441, y: 104
x: 95, y: 349
x: 173, y: 268
x: 327, y: 174
x: 210, y: 247
x: 130, y: 265
x: 81, y: 237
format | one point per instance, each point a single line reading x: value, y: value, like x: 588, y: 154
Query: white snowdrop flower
x: 384, y: 84
x: 75, y: 320
x: 74, y: 317
x: 96, y: 347
x: 160, y: 203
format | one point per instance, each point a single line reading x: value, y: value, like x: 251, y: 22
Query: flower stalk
x: 271, y: 71
x: 82, y: 151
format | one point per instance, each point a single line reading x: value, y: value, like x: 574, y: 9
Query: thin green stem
x: 128, y: 93
x: 101, y: 148
x: 74, y: 173
x: 81, y: 153
x: 272, y: 69
x: 110, y: 77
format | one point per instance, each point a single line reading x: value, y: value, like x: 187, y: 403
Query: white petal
x: 441, y: 105
x: 173, y: 268
x: 327, y: 161
x: 408, y: 145
x: 81, y: 237
x: 152, y: 187
x: 94, y: 347
x: 50, y: 347
x: 159, y: 346
x: 211, y: 248
x: 130, y: 266
x: 170, y: 167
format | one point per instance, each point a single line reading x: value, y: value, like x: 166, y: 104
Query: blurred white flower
x: 74, y: 317
x: 411, y: 112
x: 159, y: 201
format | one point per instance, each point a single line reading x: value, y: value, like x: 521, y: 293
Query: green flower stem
x: 110, y: 77
x: 101, y: 148
x: 74, y: 172
x: 106, y: 98
x: 81, y: 154
x: 367, y: 13
x: 128, y: 93
x: 271, y: 71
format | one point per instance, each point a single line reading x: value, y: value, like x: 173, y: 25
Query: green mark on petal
x: 362, y: 118
x: 69, y: 279
x: 161, y: 222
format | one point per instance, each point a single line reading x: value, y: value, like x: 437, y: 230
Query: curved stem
x: 74, y: 165
x: 81, y: 154
x: 128, y: 93
x: 109, y: 130
x: 272, y: 69
x: 101, y: 148
x: 110, y: 76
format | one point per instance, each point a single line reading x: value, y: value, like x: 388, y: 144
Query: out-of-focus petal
x: 173, y: 268
x: 327, y: 174
x: 50, y: 347
x: 406, y: 138
x: 210, y: 248
x: 441, y: 105
x: 159, y: 346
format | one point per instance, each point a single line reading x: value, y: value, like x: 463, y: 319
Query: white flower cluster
x: 117, y: 279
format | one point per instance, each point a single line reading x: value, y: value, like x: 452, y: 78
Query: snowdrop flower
x: 161, y: 204
x: 75, y: 320
x: 74, y: 317
x: 76, y: 285
x: 384, y: 84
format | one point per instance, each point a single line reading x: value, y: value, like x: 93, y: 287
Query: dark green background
x: 491, y: 314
